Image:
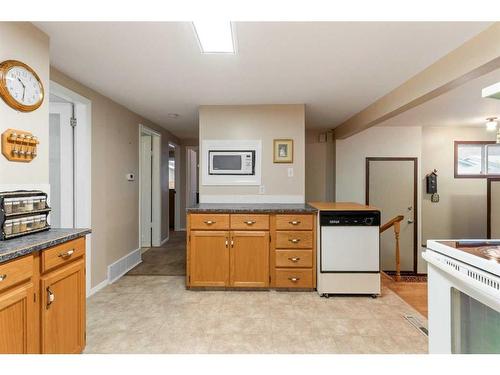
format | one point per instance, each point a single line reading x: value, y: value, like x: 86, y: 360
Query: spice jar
x: 16, y: 226
x: 15, y: 206
x: 7, y: 228
x: 7, y: 205
x: 30, y: 224
x: 28, y: 205
x: 43, y: 222
x: 42, y: 204
x: 23, y: 226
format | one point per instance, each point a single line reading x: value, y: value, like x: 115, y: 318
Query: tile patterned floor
x: 156, y: 314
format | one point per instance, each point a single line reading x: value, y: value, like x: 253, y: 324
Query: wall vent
x: 123, y: 265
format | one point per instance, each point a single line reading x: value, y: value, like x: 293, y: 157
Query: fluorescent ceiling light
x: 492, y: 91
x: 214, y: 36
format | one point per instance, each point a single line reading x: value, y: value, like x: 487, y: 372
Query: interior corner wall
x: 115, y: 152
x: 320, y: 166
x: 462, y: 208
x: 253, y: 122
x: 24, y: 42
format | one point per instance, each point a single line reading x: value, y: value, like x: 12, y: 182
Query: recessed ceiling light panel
x: 215, y: 36
x: 492, y: 91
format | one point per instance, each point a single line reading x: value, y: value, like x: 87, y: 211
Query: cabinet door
x: 249, y: 259
x: 209, y: 258
x: 17, y: 320
x: 63, y: 309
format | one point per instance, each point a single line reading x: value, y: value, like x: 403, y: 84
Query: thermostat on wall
x: 130, y: 177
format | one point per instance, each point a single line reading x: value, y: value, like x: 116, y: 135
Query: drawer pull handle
x: 294, y: 279
x: 294, y: 222
x: 3, y: 277
x: 232, y: 243
x: 51, y: 297
x: 294, y: 240
x: 209, y: 222
x: 227, y: 243
x: 294, y: 259
x: 250, y: 222
x: 66, y: 254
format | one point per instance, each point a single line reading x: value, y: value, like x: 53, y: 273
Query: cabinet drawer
x: 294, y: 278
x: 249, y: 221
x: 294, y: 258
x: 294, y: 240
x: 294, y: 222
x: 15, y: 271
x: 62, y: 254
x: 209, y: 221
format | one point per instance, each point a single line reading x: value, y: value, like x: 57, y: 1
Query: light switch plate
x: 262, y: 189
x: 130, y: 177
x: 290, y: 172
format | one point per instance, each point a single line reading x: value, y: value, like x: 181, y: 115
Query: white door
x: 192, y: 172
x: 61, y: 168
x: 391, y: 184
x: 146, y: 190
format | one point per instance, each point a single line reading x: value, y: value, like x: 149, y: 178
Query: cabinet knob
x: 294, y: 259
x: 232, y: 243
x: 66, y: 254
x: 50, y: 297
x: 294, y: 279
x: 227, y: 242
x: 3, y: 277
x: 250, y: 222
x: 294, y: 222
x: 209, y: 222
x: 294, y: 240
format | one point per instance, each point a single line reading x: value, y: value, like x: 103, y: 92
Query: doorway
x: 172, y: 182
x: 391, y: 185
x: 149, y: 188
x: 493, y: 208
x: 192, y: 175
x: 70, y: 125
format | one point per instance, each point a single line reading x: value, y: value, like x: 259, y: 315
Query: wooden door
x: 209, y: 258
x: 17, y: 320
x: 63, y: 314
x: 494, y: 208
x: 249, y: 259
x: 391, y: 186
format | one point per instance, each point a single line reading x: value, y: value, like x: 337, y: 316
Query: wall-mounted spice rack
x: 19, y: 145
x: 22, y: 213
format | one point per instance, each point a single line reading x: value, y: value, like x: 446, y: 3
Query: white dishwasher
x: 349, y: 259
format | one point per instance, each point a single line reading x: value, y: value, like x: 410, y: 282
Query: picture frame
x: 283, y: 150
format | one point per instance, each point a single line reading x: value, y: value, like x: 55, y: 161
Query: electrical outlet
x: 262, y: 189
x: 130, y: 177
x: 290, y: 172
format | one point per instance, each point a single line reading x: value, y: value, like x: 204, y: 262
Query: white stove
x: 464, y: 296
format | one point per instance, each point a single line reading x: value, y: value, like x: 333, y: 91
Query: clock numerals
x: 22, y: 86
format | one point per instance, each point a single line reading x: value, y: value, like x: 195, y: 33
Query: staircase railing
x: 395, y: 223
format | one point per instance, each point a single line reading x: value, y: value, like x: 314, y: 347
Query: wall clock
x: 20, y: 86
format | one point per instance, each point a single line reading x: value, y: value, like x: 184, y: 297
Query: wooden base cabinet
x: 251, y: 250
x: 42, y: 301
x: 17, y: 320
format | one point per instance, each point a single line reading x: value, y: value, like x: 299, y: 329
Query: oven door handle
x: 492, y: 297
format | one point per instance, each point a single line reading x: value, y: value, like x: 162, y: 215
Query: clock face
x: 20, y: 86
x: 23, y: 86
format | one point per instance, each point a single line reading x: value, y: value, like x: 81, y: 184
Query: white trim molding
x: 97, y: 288
x: 257, y: 198
x: 120, y: 267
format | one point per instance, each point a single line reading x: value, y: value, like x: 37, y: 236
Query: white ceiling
x: 462, y: 106
x: 335, y: 68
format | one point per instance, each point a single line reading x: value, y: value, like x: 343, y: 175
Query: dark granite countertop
x: 17, y: 247
x: 280, y: 208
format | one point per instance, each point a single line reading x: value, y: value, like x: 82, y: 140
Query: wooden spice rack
x: 19, y: 145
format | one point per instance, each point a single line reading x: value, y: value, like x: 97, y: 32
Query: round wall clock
x: 20, y: 86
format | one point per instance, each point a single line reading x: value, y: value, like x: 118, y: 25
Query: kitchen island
x: 42, y: 292
x: 251, y: 246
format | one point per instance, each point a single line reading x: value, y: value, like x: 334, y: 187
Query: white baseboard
x: 98, y: 287
x: 181, y: 230
x: 251, y: 198
x: 119, y: 268
x: 164, y: 241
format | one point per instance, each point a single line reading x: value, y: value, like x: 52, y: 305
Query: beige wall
x: 22, y: 41
x: 320, y: 166
x: 264, y: 122
x: 115, y: 152
x: 461, y: 211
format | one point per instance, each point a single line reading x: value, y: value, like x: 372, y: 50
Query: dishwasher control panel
x: 350, y: 218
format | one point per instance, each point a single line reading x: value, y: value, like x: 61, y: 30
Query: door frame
x: 488, y: 199
x: 83, y: 169
x: 156, y: 200
x: 177, y: 198
x: 188, y: 186
x: 415, y: 197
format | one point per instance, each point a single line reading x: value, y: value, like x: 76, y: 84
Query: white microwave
x: 230, y: 162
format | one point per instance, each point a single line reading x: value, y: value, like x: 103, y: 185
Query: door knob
x: 410, y: 221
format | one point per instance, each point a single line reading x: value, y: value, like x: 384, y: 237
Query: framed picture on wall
x: 283, y: 150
